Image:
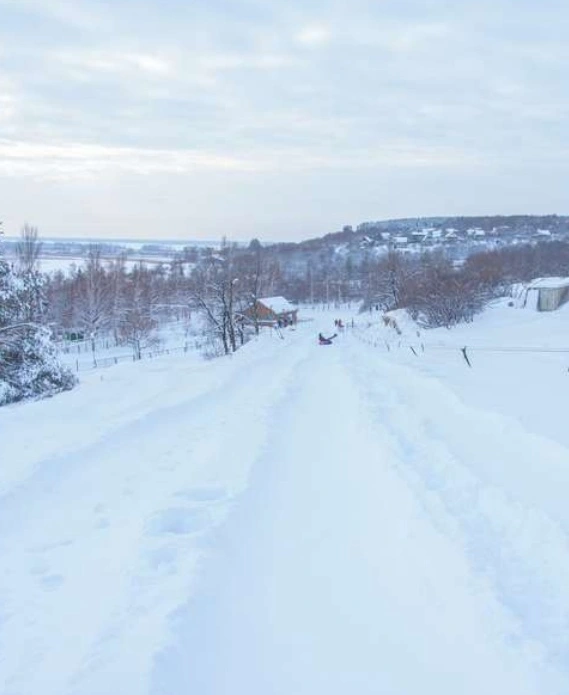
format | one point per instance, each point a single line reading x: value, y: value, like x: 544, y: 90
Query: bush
x: 29, y: 367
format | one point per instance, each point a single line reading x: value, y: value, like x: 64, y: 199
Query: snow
x: 296, y: 519
x: 279, y: 305
x: 548, y: 283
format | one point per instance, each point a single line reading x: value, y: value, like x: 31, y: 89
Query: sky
x: 278, y: 119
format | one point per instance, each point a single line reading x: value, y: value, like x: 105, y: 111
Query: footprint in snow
x: 51, y: 581
x: 204, y: 493
x: 178, y: 521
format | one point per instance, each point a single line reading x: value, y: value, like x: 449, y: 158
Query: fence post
x: 463, y: 350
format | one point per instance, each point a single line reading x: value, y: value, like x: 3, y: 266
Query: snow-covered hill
x: 295, y: 519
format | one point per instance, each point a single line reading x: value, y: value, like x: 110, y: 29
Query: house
x: 418, y: 237
x: 399, y: 242
x: 271, y: 310
x: 547, y: 294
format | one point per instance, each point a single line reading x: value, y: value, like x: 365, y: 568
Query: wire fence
x: 421, y: 347
x: 103, y: 362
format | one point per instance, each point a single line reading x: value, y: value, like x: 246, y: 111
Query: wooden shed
x: 271, y: 310
x: 548, y: 294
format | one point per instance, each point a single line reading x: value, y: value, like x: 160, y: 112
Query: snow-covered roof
x: 279, y: 305
x: 400, y: 239
x: 548, y: 283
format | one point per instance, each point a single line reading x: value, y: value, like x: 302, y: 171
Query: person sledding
x: 325, y: 341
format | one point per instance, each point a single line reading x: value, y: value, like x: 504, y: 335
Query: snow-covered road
x: 295, y: 520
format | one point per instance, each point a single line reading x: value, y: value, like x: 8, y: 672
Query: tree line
x: 217, y: 291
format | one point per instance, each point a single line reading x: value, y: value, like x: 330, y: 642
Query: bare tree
x: 93, y: 298
x: 136, y: 323
x: 214, y: 291
x: 28, y: 249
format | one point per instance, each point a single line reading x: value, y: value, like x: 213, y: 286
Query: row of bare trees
x: 103, y: 298
x: 222, y: 286
x: 437, y: 292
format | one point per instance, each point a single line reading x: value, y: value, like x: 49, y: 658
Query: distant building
x: 419, y: 236
x: 547, y: 294
x: 271, y: 310
x: 400, y: 242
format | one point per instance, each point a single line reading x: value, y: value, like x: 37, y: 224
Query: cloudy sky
x: 279, y: 119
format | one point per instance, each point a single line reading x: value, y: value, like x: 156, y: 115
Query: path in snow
x: 338, y: 572
x: 317, y: 521
x: 101, y: 543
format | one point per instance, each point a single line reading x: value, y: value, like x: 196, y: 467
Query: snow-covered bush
x: 28, y: 364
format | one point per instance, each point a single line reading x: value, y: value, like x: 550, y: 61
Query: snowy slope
x: 296, y: 519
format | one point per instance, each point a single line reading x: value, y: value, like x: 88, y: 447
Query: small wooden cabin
x: 271, y: 310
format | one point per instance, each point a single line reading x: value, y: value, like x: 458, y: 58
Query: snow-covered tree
x: 28, y: 363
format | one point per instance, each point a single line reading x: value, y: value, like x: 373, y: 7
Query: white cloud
x: 9, y: 102
x: 75, y: 13
x: 74, y: 160
x: 79, y: 161
x: 116, y: 61
x: 313, y: 35
x: 232, y: 61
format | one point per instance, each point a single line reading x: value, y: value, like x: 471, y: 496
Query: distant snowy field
x: 66, y: 265
x: 297, y: 519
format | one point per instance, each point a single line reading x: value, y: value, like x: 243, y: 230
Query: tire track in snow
x: 446, y: 452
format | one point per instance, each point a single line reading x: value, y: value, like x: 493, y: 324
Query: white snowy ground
x: 294, y: 520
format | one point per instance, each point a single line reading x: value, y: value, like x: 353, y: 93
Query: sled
x: 327, y: 341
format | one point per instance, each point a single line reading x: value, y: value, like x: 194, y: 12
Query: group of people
x: 339, y: 325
